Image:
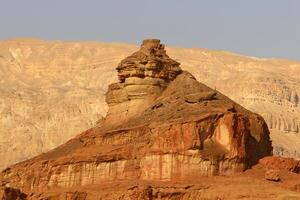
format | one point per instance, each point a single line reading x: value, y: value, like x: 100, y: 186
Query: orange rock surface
x: 280, y: 163
x: 166, y: 136
x: 51, y: 91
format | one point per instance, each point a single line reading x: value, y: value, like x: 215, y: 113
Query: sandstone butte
x: 165, y: 136
x: 50, y: 86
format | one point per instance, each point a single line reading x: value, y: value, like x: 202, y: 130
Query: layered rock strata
x: 150, y: 61
x: 143, y: 76
x: 162, y: 125
x: 50, y: 86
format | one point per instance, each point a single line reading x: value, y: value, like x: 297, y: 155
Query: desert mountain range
x: 51, y: 91
x: 165, y: 136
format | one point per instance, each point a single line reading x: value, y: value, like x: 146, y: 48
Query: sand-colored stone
x: 150, y: 61
x: 187, y: 131
x: 272, y: 175
x: 174, y: 147
x: 49, y: 86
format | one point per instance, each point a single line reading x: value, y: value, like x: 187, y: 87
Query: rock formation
x: 150, y: 61
x: 143, y: 76
x: 162, y: 127
x: 279, y: 163
x: 49, y: 86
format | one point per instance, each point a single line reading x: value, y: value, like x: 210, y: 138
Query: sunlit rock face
x: 150, y: 61
x: 50, y: 86
x: 158, y: 128
x: 143, y: 76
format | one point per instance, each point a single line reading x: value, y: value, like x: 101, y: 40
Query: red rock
x: 281, y: 163
x: 162, y: 125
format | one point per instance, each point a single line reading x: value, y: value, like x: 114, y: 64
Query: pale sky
x: 261, y: 28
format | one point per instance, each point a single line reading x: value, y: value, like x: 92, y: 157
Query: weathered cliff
x: 161, y: 126
x: 49, y: 86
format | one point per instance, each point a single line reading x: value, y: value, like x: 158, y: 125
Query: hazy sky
x: 262, y: 28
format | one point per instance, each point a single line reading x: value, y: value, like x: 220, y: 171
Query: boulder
x: 272, y: 175
x: 281, y: 163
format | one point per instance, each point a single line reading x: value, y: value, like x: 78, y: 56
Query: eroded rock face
x: 150, y: 61
x: 50, y: 86
x: 143, y: 76
x: 158, y: 128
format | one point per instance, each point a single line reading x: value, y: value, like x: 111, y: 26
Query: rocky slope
x: 170, y: 128
x: 51, y: 86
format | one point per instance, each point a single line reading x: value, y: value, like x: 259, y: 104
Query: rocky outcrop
x: 159, y: 128
x: 50, y: 86
x: 143, y: 76
x: 280, y: 163
x: 150, y: 61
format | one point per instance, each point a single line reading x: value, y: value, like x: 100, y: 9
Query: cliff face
x: 49, y: 86
x: 162, y: 125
